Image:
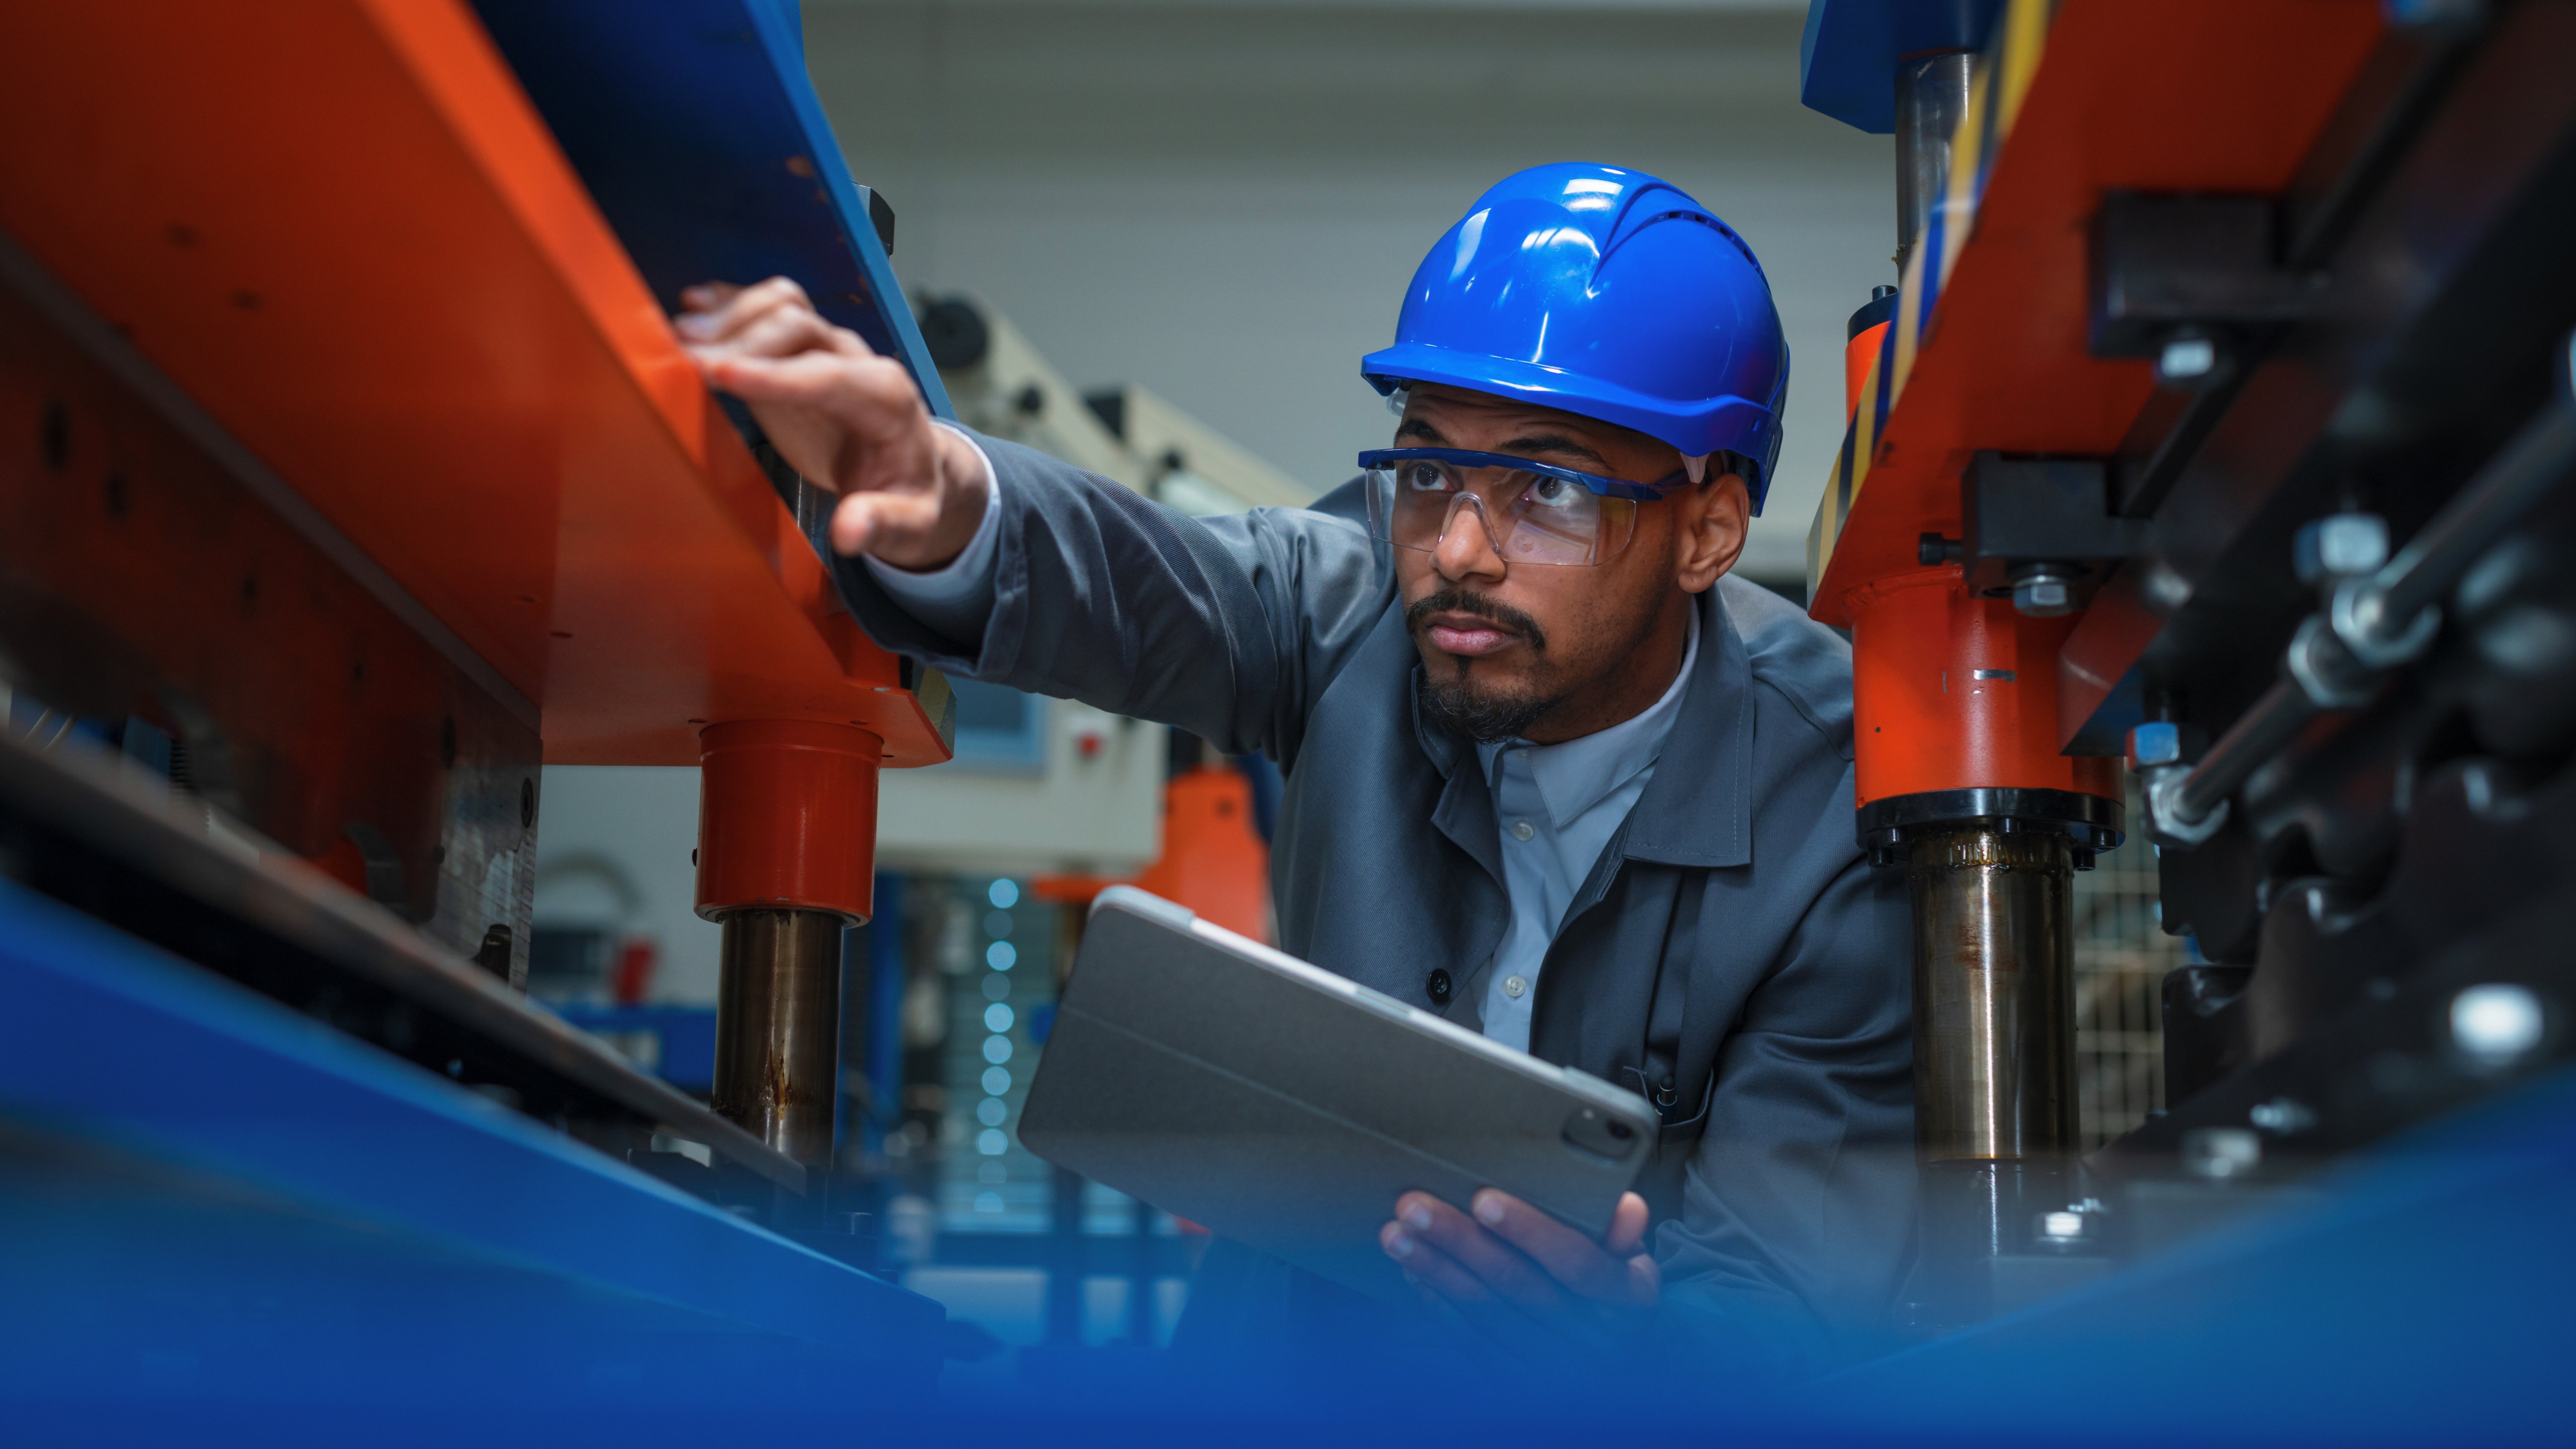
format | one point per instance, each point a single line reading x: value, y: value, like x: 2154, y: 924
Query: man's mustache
x: 1459, y: 601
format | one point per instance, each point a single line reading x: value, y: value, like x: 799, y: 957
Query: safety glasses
x: 1533, y: 513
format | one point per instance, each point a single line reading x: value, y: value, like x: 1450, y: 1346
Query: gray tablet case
x: 1285, y: 1107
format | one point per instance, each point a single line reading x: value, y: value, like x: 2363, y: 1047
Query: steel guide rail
x: 139, y: 857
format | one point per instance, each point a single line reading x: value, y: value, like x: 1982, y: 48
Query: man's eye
x: 1423, y: 478
x: 1555, y: 493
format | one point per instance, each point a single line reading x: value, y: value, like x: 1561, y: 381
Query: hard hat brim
x: 1695, y: 427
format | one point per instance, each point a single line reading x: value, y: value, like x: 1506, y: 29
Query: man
x: 1549, y: 771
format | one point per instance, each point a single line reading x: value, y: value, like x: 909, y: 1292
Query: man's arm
x: 1227, y: 627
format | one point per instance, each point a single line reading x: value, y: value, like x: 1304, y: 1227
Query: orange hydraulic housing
x: 787, y: 818
x: 787, y: 827
x: 1952, y: 692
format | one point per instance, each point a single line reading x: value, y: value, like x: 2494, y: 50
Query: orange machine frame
x: 341, y: 228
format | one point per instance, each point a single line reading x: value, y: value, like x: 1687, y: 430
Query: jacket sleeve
x: 1798, y: 1208
x: 1227, y: 627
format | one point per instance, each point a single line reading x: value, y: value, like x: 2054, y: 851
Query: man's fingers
x: 783, y: 332
x: 1462, y: 1298
x: 1627, y: 1226
x: 895, y: 527
x: 1430, y: 1267
x: 875, y: 396
x: 707, y: 296
x: 735, y: 309
x: 1568, y: 1256
x: 1501, y: 1266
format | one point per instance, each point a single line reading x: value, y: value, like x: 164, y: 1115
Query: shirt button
x: 1513, y: 986
x: 1523, y: 830
x: 1438, y: 987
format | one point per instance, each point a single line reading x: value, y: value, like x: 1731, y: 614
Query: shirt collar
x: 1574, y: 775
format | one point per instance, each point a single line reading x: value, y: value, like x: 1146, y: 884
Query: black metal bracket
x: 2172, y: 265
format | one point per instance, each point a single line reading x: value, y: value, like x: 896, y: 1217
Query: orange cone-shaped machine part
x: 1954, y: 692
x: 1213, y: 861
x: 787, y: 817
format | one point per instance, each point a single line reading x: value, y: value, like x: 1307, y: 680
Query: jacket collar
x: 1697, y: 810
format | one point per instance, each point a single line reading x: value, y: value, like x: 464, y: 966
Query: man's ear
x: 1712, y: 520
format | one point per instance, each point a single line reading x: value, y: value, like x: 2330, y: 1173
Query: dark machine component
x: 2040, y: 530
x: 2355, y: 589
x: 2176, y: 275
x: 955, y: 332
x: 78, y: 827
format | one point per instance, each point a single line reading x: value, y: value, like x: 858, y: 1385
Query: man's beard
x: 1483, y: 716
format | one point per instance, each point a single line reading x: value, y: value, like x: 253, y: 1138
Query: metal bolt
x: 2187, y: 359
x: 2496, y: 1024
x: 2219, y: 1153
x: 2043, y: 593
x: 2157, y: 742
x: 2340, y: 545
x: 2282, y: 1116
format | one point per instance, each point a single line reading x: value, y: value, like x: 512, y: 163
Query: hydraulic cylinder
x: 786, y: 860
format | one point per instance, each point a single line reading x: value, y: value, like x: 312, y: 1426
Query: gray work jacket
x: 1732, y: 956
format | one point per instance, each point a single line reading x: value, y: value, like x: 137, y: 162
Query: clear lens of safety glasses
x: 1530, y: 517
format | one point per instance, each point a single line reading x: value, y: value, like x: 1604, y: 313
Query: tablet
x: 1287, y: 1108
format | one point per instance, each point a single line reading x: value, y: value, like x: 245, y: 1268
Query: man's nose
x: 1467, y: 547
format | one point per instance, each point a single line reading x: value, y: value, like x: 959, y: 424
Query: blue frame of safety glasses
x: 1606, y: 487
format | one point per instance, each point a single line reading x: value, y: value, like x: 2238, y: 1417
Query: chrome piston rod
x: 1994, y: 1013
x: 778, y: 1012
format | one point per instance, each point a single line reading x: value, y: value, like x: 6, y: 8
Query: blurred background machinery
x: 2221, y: 419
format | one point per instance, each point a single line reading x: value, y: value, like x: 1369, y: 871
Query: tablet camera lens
x: 1622, y: 1131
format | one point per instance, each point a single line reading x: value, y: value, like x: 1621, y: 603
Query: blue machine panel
x: 696, y: 130
x: 203, y: 1189
x: 1847, y: 60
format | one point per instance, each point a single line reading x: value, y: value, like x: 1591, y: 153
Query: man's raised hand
x: 844, y: 417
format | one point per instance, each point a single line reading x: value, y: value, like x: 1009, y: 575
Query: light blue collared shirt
x: 1557, y: 805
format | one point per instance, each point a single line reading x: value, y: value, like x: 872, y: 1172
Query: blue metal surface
x: 224, y: 1221
x: 209, y: 1192
x: 687, y: 1056
x: 697, y: 132
x: 1847, y: 59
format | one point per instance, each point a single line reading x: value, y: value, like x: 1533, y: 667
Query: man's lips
x: 1468, y: 635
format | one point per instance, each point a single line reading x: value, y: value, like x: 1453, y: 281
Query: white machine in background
x: 1044, y: 786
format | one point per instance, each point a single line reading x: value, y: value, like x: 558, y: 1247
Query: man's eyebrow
x: 1555, y: 443
x: 1417, y: 428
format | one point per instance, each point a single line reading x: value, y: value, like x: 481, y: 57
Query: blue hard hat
x: 1606, y: 293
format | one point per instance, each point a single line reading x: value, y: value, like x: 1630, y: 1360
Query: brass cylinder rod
x: 778, y: 1027
x: 1994, y: 1018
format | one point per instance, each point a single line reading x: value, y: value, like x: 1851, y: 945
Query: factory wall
x: 1223, y: 202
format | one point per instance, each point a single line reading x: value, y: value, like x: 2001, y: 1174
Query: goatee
x: 1461, y: 710
x: 1484, y: 718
